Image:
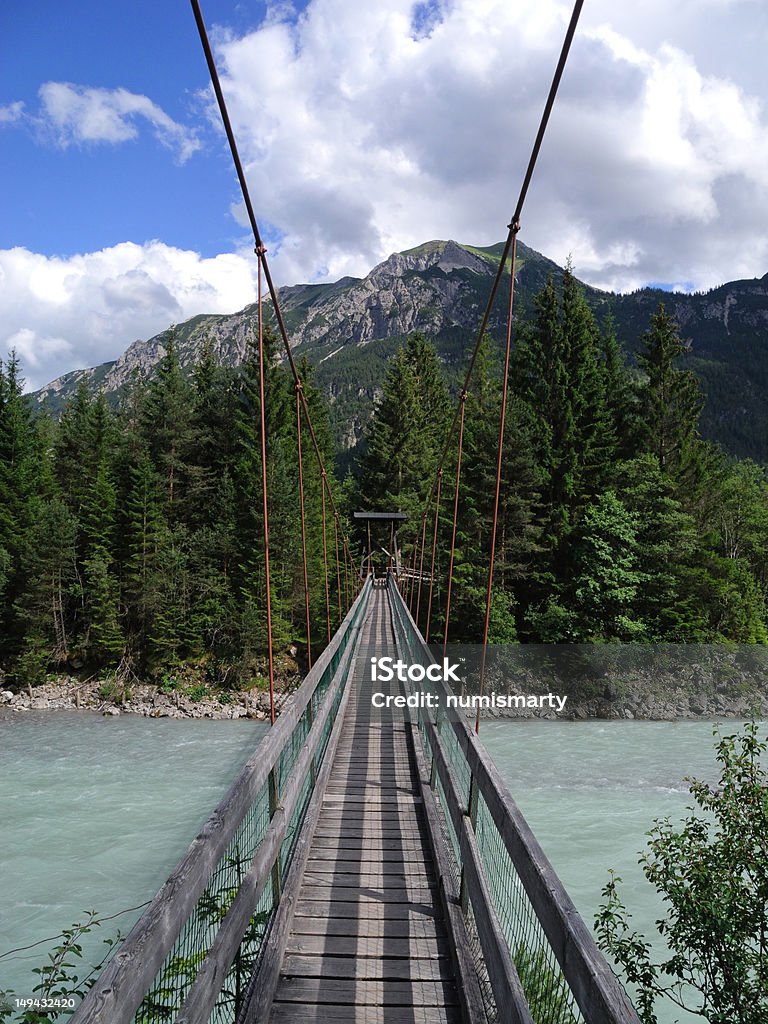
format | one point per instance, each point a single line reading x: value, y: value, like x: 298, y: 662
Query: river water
x: 95, y: 811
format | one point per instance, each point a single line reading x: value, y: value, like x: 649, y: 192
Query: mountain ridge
x: 349, y: 328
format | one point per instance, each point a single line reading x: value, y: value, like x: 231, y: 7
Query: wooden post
x: 274, y: 799
x: 472, y: 815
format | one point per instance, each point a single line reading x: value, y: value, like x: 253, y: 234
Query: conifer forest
x: 131, y: 536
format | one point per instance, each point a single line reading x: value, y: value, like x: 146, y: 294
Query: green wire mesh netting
x: 547, y: 992
x: 182, y: 963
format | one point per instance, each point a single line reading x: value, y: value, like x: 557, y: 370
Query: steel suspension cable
x: 499, y: 460
x: 338, y: 566
x: 421, y: 565
x: 512, y: 231
x: 408, y: 587
x: 265, y: 505
x: 260, y: 248
x: 434, y: 550
x: 324, y: 484
x: 303, y: 526
x: 459, y: 451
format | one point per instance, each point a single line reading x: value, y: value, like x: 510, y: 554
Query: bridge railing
x: 537, y: 962
x: 190, y: 956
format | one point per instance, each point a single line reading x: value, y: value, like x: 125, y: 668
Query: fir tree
x: 671, y: 400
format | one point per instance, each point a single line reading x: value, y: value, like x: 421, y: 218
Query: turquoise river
x: 96, y: 811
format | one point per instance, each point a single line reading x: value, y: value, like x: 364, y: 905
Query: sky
x: 365, y: 129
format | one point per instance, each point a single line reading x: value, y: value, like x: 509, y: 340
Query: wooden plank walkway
x: 368, y: 943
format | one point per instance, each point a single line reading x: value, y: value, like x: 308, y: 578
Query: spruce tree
x: 406, y: 434
x: 22, y: 462
x: 671, y: 399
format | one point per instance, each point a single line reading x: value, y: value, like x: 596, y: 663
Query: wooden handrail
x: 205, y: 989
x: 124, y: 983
x: 597, y: 991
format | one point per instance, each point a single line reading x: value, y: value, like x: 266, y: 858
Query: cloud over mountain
x: 64, y: 312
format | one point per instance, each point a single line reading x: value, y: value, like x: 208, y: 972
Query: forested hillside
x: 350, y: 329
x: 131, y: 539
x: 618, y: 522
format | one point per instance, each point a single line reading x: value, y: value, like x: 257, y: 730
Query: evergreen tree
x: 22, y: 466
x: 671, y: 400
x: 167, y: 415
x: 52, y: 586
x: 405, y: 437
x: 559, y: 373
x: 668, y: 542
x: 609, y: 577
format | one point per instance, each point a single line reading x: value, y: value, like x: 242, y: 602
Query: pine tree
x: 406, y: 434
x: 52, y: 587
x: 559, y: 374
x: 250, y: 576
x: 167, y: 415
x: 671, y: 400
x: 608, y: 577
x: 145, y: 533
x: 668, y: 544
x: 22, y: 465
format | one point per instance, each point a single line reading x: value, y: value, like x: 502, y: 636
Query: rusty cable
x: 303, y: 526
x: 265, y: 503
x: 513, y: 229
x: 434, y: 550
x: 421, y: 566
x: 459, y: 452
x: 338, y: 567
x: 499, y: 458
x: 259, y: 245
x: 324, y: 484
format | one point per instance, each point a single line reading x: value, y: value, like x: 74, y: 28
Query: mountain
x: 349, y: 329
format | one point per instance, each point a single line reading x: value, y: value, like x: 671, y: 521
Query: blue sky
x: 365, y: 129
x: 85, y: 197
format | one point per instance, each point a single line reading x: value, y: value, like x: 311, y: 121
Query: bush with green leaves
x: 712, y: 875
x: 63, y: 976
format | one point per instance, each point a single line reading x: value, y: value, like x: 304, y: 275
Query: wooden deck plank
x: 358, y: 880
x: 412, y: 927
x: 372, y: 895
x: 365, y: 812
x: 375, y: 967
x: 397, y: 846
x: 329, y: 1013
x: 361, y: 992
x: 338, y: 831
x: 377, y: 947
x: 345, y: 863
x: 365, y: 907
x: 368, y: 942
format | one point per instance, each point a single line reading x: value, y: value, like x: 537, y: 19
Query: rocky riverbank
x: 642, y: 701
x: 140, y: 699
x: 652, y: 682
x: 673, y: 705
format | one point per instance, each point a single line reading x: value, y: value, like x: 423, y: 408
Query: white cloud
x: 77, y: 114
x: 369, y: 128
x: 364, y: 133
x: 11, y: 113
x: 65, y: 313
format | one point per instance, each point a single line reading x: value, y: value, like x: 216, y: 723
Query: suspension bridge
x: 368, y: 864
